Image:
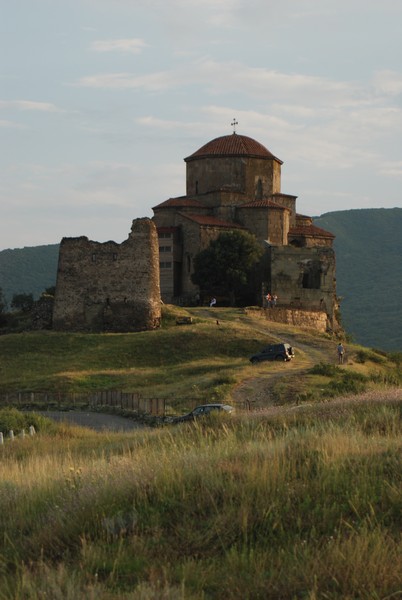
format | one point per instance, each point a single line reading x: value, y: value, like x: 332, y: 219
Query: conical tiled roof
x: 232, y: 145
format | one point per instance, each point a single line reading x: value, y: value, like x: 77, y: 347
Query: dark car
x: 203, y: 411
x: 282, y: 352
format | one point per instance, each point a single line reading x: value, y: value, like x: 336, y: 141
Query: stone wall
x: 305, y: 278
x: 109, y: 286
x: 304, y: 319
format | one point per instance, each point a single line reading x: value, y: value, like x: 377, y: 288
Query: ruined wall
x: 305, y: 278
x: 109, y: 286
x: 305, y: 319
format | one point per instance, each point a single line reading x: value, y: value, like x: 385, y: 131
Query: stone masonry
x: 108, y: 286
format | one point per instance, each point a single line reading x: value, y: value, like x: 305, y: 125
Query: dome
x: 232, y: 145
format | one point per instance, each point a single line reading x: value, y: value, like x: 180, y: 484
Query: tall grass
x: 298, y: 505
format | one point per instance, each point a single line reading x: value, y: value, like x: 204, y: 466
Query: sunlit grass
x: 300, y: 504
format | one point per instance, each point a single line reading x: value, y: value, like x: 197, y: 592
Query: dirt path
x: 96, y: 421
x: 310, y: 349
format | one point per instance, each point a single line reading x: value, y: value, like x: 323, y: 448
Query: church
x: 234, y: 182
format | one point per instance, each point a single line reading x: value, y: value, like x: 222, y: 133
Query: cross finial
x: 234, y: 125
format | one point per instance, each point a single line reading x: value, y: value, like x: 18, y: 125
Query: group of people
x: 271, y: 300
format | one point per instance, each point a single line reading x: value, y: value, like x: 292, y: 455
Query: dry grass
x: 302, y: 504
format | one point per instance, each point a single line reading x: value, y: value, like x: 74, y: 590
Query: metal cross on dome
x: 234, y: 125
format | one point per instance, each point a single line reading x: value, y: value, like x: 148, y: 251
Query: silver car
x: 203, y: 411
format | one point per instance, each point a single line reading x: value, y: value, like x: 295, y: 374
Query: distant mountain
x: 368, y: 249
x: 28, y: 270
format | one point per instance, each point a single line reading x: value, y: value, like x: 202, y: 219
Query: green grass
x: 183, y: 364
x: 172, y: 360
x: 300, y: 505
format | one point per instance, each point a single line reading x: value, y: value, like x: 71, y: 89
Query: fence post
x: 11, y: 435
x: 1, y: 438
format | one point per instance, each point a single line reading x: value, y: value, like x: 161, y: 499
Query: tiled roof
x: 310, y: 231
x: 181, y: 201
x: 232, y: 145
x: 263, y: 203
x: 211, y: 221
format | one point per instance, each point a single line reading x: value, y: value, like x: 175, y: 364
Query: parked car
x: 282, y: 352
x: 203, y: 411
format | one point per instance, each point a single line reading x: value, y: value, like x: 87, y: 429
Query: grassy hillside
x: 298, y: 499
x: 28, y: 270
x: 201, y: 362
x: 368, y: 248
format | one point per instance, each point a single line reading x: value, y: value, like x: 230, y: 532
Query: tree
x: 22, y: 302
x: 227, y: 263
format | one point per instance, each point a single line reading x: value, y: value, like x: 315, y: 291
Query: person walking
x: 341, y: 352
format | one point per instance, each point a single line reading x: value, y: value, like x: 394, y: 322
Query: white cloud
x: 122, y: 81
x: 388, y: 82
x: 392, y: 169
x: 133, y: 45
x: 30, y: 105
x: 10, y: 125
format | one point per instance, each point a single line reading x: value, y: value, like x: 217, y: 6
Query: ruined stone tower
x: 109, y: 286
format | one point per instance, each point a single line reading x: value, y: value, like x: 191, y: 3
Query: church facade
x: 234, y: 182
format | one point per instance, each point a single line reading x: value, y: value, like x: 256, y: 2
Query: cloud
x: 10, y: 125
x: 388, y: 82
x: 392, y: 169
x: 238, y: 77
x: 30, y: 105
x: 133, y: 45
x: 123, y: 81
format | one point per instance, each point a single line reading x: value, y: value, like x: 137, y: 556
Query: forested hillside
x: 28, y: 270
x: 368, y: 248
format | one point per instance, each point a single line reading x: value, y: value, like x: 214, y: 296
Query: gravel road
x: 97, y: 421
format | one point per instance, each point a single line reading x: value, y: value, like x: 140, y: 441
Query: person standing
x: 341, y: 352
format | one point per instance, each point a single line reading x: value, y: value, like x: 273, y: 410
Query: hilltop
x: 368, y: 248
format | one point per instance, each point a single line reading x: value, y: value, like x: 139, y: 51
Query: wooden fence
x: 123, y: 400
x: 113, y: 398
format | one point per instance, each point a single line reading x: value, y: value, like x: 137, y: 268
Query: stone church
x: 234, y: 182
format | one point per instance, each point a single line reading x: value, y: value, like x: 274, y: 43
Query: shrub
x: 13, y: 419
x: 325, y: 369
x: 364, y: 354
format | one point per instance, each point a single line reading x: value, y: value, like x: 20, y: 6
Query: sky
x: 101, y: 100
